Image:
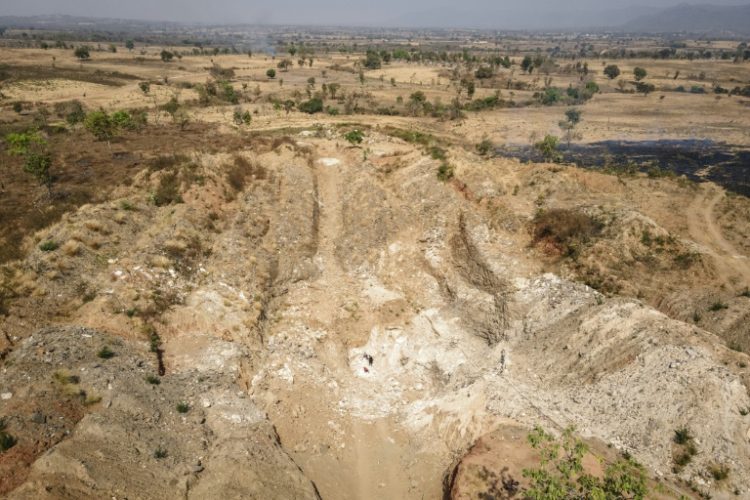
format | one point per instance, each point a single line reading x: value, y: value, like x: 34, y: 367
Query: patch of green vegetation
x: 717, y: 306
x: 153, y: 380
x: 160, y: 453
x: 7, y: 441
x: 106, y: 353
x: 183, y: 407
x: 355, y: 136
x: 49, y: 246
x: 561, y: 474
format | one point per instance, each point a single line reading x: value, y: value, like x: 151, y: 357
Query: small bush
x: 100, y: 124
x: 485, y: 147
x: 6, y: 440
x: 153, y: 380
x: 49, y: 246
x: 160, y: 453
x: 106, y: 353
x: 565, y: 230
x: 682, y: 436
x: 445, y: 172
x: 717, y: 306
x: 183, y: 407
x: 168, y: 191
x: 718, y: 471
x: 314, y: 105
x: 547, y: 147
x: 354, y: 136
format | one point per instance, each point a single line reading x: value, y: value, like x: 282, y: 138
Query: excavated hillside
x: 302, y: 318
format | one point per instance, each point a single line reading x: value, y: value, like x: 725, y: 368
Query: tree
x: 333, y: 87
x: 527, y: 64
x: 572, y: 119
x: 484, y: 72
x: 644, y: 88
x: 548, y: 148
x: 639, y: 73
x: 561, y: 475
x: 100, y: 125
x: 82, y: 53
x: 314, y: 105
x: 372, y: 60
x: 166, y: 55
x: 292, y: 50
x: 271, y: 73
x: 129, y: 45
x: 612, y: 71
x: 37, y: 159
x: 470, y: 89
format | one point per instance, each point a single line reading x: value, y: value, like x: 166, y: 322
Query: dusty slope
x: 382, y: 320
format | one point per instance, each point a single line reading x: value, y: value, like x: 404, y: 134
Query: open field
x: 370, y: 273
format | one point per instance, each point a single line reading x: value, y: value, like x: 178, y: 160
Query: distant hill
x: 734, y: 19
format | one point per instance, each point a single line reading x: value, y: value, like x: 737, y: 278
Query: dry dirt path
x: 731, y: 265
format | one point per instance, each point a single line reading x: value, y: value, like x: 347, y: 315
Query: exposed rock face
x: 349, y: 327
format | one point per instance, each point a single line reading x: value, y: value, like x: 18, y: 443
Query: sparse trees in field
x: 82, y: 53
x: 639, y: 73
x: 612, y: 71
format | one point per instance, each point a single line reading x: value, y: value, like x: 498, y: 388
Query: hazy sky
x: 502, y: 14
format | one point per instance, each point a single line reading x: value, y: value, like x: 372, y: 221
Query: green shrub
x: 100, y: 124
x: 6, y: 440
x: 106, y: 353
x: 445, y: 172
x: 314, y: 105
x: 183, y: 407
x: 160, y: 453
x: 122, y: 119
x: 717, y: 306
x: 682, y: 436
x: 485, y: 147
x: 354, y: 136
x: 561, y: 474
x: 49, y: 246
x: 153, y: 380
x: 548, y: 148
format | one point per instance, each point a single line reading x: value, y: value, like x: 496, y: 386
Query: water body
x: 698, y: 160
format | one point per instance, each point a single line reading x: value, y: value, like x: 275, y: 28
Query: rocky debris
x: 134, y: 439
